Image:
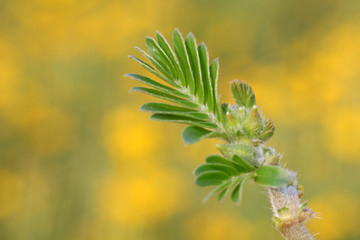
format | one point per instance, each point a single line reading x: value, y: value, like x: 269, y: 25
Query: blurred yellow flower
x: 53, y: 132
x: 341, y: 133
x: 338, y: 214
x: 71, y: 28
x: 129, y: 135
x: 10, y: 196
x: 217, y: 225
x: 10, y: 73
x: 143, y: 199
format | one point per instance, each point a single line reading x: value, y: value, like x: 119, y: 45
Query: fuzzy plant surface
x: 186, y: 79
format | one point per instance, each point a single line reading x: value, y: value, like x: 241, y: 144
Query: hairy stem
x: 290, y: 215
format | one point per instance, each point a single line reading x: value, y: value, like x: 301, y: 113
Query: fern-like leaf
x: 185, y: 77
x: 190, y: 82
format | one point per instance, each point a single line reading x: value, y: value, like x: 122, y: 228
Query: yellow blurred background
x: 78, y: 161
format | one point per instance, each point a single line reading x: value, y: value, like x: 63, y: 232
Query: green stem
x: 290, y: 215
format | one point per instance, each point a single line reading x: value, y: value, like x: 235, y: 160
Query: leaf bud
x: 268, y: 131
x: 253, y: 123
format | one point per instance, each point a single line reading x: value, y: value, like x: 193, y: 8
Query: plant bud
x: 242, y: 150
x: 231, y: 119
x: 241, y: 111
x: 253, y: 123
x: 268, y: 130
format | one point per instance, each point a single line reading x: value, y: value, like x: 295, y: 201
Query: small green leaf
x: 242, y: 93
x: 218, y: 159
x: 215, y: 166
x: 182, y: 56
x: 193, y: 134
x: 164, y: 71
x: 192, y: 52
x: 165, y: 96
x: 244, y: 164
x: 236, y: 196
x: 214, y: 75
x: 157, y: 53
x: 165, y: 108
x: 170, y: 54
x: 222, y: 195
x: 216, y: 190
x: 182, y: 119
x: 271, y: 176
x: 150, y: 69
x: 223, y: 160
x: 233, y: 183
x: 211, y: 178
x: 157, y: 85
x: 172, y: 109
x: 207, y: 84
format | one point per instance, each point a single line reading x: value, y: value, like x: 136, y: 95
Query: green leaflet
x: 271, y: 176
x: 222, y: 195
x: 165, y: 108
x: 192, y: 52
x: 157, y: 85
x: 230, y: 188
x: 182, y: 119
x: 193, y: 134
x: 244, y: 164
x: 211, y: 178
x: 164, y: 71
x: 172, y: 109
x: 216, y: 166
x: 158, y: 54
x: 237, y: 193
x: 220, y: 159
x: 164, y: 96
x: 214, y: 75
x: 170, y: 54
x: 242, y: 93
x: 217, y: 189
x: 150, y: 69
x: 204, y: 65
x: 182, y: 56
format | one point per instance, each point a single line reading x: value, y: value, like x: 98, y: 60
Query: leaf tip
x: 159, y: 34
x: 177, y: 32
x: 202, y: 44
x: 190, y: 36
